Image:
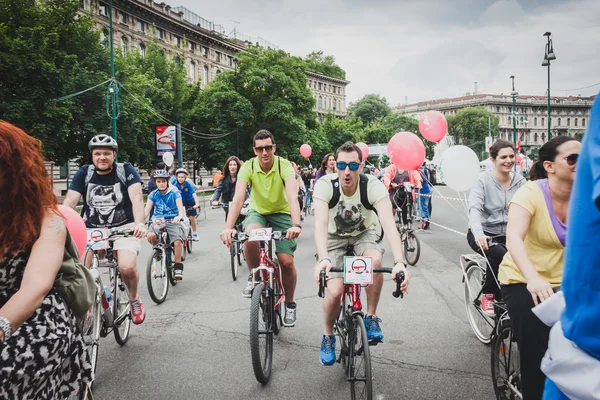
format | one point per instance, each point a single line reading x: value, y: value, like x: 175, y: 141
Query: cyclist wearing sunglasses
x: 274, y: 203
x: 349, y: 223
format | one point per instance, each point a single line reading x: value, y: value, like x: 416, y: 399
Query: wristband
x: 325, y: 258
x: 297, y: 226
x: 400, y: 262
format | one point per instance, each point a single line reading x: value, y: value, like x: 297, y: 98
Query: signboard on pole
x: 165, y: 137
x: 488, y: 143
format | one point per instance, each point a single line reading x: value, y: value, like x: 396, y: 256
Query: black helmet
x: 160, y: 173
x: 103, y: 141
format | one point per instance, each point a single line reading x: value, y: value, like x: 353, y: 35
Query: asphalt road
x: 195, y: 345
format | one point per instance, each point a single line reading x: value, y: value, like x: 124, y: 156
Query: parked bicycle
x: 159, y: 270
x: 355, y: 355
x: 267, y: 301
x: 110, y: 311
x: 410, y: 241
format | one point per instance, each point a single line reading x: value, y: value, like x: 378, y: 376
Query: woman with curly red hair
x: 42, y: 354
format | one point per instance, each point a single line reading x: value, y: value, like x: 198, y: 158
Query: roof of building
x: 329, y: 78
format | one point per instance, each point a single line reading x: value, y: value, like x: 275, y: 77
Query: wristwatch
x: 297, y: 226
x: 5, y: 327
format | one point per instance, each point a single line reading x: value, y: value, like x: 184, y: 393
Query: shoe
x: 374, y: 334
x: 196, y: 238
x: 327, y: 355
x: 247, y: 292
x: 290, y: 315
x: 427, y: 225
x: 138, y: 315
x: 487, y: 304
x: 178, y: 271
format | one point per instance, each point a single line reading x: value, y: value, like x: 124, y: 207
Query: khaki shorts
x: 336, y: 247
x: 131, y: 244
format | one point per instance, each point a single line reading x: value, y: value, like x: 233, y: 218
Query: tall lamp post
x: 548, y: 56
x: 514, y: 94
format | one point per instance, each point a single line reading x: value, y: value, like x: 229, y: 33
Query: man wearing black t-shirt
x: 112, y: 197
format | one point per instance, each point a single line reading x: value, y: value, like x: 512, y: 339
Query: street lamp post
x: 514, y: 94
x: 548, y: 56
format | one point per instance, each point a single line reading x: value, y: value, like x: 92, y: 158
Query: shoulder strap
x: 363, y: 184
x: 335, y: 196
x: 121, y: 173
x: 279, y: 167
x: 90, y: 173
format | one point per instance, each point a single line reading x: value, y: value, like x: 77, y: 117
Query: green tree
x: 469, y: 126
x: 338, y: 131
x: 318, y: 62
x: 370, y: 108
x: 48, y: 50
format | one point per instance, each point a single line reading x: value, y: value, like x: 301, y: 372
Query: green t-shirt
x: 349, y: 217
x: 268, y: 191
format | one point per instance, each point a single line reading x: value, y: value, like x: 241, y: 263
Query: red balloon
x: 76, y: 227
x: 406, y: 151
x: 433, y: 126
x: 364, y: 149
x: 305, y: 150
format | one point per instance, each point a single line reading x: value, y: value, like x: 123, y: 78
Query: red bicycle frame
x: 265, y: 267
x: 353, y: 291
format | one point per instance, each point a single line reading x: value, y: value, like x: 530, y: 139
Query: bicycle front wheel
x: 157, y: 278
x: 189, y: 244
x: 90, y: 330
x: 360, y: 374
x: 261, y: 333
x: 481, y: 324
x: 412, y: 248
x: 235, y: 258
x: 121, y: 308
x: 506, y: 372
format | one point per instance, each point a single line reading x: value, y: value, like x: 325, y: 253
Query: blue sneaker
x: 328, y: 350
x: 374, y: 334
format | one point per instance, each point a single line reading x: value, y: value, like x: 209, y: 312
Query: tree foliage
x: 318, y: 62
x: 370, y: 108
x: 471, y: 125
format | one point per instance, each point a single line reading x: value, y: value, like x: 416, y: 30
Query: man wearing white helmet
x: 112, y: 197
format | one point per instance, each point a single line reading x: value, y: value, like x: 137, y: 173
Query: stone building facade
x: 569, y: 115
x: 183, y: 35
x: 329, y: 93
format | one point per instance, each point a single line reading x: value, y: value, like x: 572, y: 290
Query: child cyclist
x: 167, y: 203
x: 188, y: 196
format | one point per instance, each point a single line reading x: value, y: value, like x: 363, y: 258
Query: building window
x: 160, y: 34
x: 140, y: 26
x: 123, y: 18
x: 192, y: 47
x: 205, y: 75
x: 509, y: 119
x: 84, y: 4
x: 320, y: 86
x: 230, y: 61
x: 543, y: 122
x: 583, y: 122
x: 193, y: 71
x: 568, y: 121
x: 535, y: 121
x: 205, y: 51
x: 142, y: 49
x: 575, y: 121
x: 535, y: 138
x: 522, y: 119
x: 103, y: 9
x: 103, y: 38
x: 218, y: 57
x: 218, y: 72
x: 177, y: 41
x: 558, y: 121
x: 497, y: 109
x: 124, y: 44
x: 320, y: 103
x: 178, y: 61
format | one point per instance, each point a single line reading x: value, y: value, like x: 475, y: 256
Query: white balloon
x: 459, y: 168
x: 168, y: 158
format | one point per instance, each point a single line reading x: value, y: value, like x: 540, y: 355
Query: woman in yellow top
x: 535, y: 239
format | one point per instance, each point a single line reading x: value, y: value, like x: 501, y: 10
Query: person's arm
x: 137, y: 205
x: 181, y: 209
x: 291, y: 193
x: 76, y: 188
x: 217, y: 194
x: 321, y: 223
x: 300, y: 183
x: 234, y: 211
x: 148, y: 209
x: 196, y: 200
x: 476, y: 205
x: 40, y: 272
x: 72, y: 199
x: 519, y: 219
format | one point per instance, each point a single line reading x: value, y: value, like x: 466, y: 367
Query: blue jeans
x: 425, y: 207
x: 307, y: 199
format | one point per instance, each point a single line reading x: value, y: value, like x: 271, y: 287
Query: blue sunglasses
x: 341, y: 165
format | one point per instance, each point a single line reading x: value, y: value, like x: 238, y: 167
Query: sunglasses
x: 341, y: 165
x: 572, y: 158
x: 268, y: 148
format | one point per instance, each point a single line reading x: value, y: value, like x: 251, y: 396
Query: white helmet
x: 103, y: 141
x: 181, y: 171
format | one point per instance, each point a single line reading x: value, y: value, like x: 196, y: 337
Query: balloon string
x: 447, y: 201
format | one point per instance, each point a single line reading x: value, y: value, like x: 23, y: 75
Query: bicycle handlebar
x: 396, y: 293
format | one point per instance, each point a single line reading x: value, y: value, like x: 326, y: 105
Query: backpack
x: 74, y: 282
x: 363, y: 182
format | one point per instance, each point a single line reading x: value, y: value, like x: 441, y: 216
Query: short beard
x: 104, y: 170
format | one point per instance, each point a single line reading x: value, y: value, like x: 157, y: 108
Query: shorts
x: 131, y: 243
x: 336, y: 247
x: 277, y: 221
x: 174, y: 231
x: 190, y: 211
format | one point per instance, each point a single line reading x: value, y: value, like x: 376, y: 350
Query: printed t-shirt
x: 107, y: 202
x: 542, y: 244
x: 268, y: 190
x: 165, y: 205
x: 349, y: 217
x: 187, y: 192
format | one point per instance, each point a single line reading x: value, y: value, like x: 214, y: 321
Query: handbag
x: 74, y: 282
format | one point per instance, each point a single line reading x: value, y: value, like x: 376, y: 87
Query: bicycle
x: 159, y: 270
x: 110, y: 310
x: 355, y: 355
x: 474, y: 276
x: 236, y: 250
x: 410, y: 241
x: 266, y: 303
x: 189, y: 238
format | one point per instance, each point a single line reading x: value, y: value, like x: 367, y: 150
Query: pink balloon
x: 433, y: 126
x: 305, y: 150
x: 76, y: 227
x: 406, y: 151
x: 364, y: 150
x: 377, y: 171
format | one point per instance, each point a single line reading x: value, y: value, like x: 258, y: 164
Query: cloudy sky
x: 426, y: 49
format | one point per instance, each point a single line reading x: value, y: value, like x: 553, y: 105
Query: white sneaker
x: 196, y: 238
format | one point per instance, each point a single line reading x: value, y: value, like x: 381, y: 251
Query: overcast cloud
x: 431, y: 48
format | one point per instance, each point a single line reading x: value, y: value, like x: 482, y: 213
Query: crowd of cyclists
x: 519, y: 226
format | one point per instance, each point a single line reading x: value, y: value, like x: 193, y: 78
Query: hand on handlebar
x: 177, y: 220
x: 139, y: 230
x: 227, y: 235
x: 215, y: 203
x: 400, y: 272
x: 482, y: 242
x: 293, y: 233
x: 324, y: 265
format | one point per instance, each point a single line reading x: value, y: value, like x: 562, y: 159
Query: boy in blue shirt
x: 168, y: 206
x: 188, y: 196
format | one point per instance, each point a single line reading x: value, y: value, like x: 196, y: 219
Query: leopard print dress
x: 45, y: 358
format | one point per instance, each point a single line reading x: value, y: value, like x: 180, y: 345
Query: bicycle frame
x: 268, y: 271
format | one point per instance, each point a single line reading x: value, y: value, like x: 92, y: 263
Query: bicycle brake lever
x: 399, y: 279
x: 322, y: 283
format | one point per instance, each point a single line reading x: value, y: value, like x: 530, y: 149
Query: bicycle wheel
x: 261, y: 334
x: 121, y: 308
x: 506, y: 373
x: 157, y: 278
x: 276, y: 296
x: 481, y: 324
x: 412, y: 248
x: 235, y: 259
x: 189, y: 243
x: 169, y: 264
x: 360, y: 374
x: 90, y: 330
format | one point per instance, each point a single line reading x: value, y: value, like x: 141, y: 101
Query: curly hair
x: 226, y: 172
x: 25, y: 189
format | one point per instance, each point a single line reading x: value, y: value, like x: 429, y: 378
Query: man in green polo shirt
x: 274, y: 203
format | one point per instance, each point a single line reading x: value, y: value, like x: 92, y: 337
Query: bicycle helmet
x: 181, y: 171
x: 103, y: 141
x: 160, y: 173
